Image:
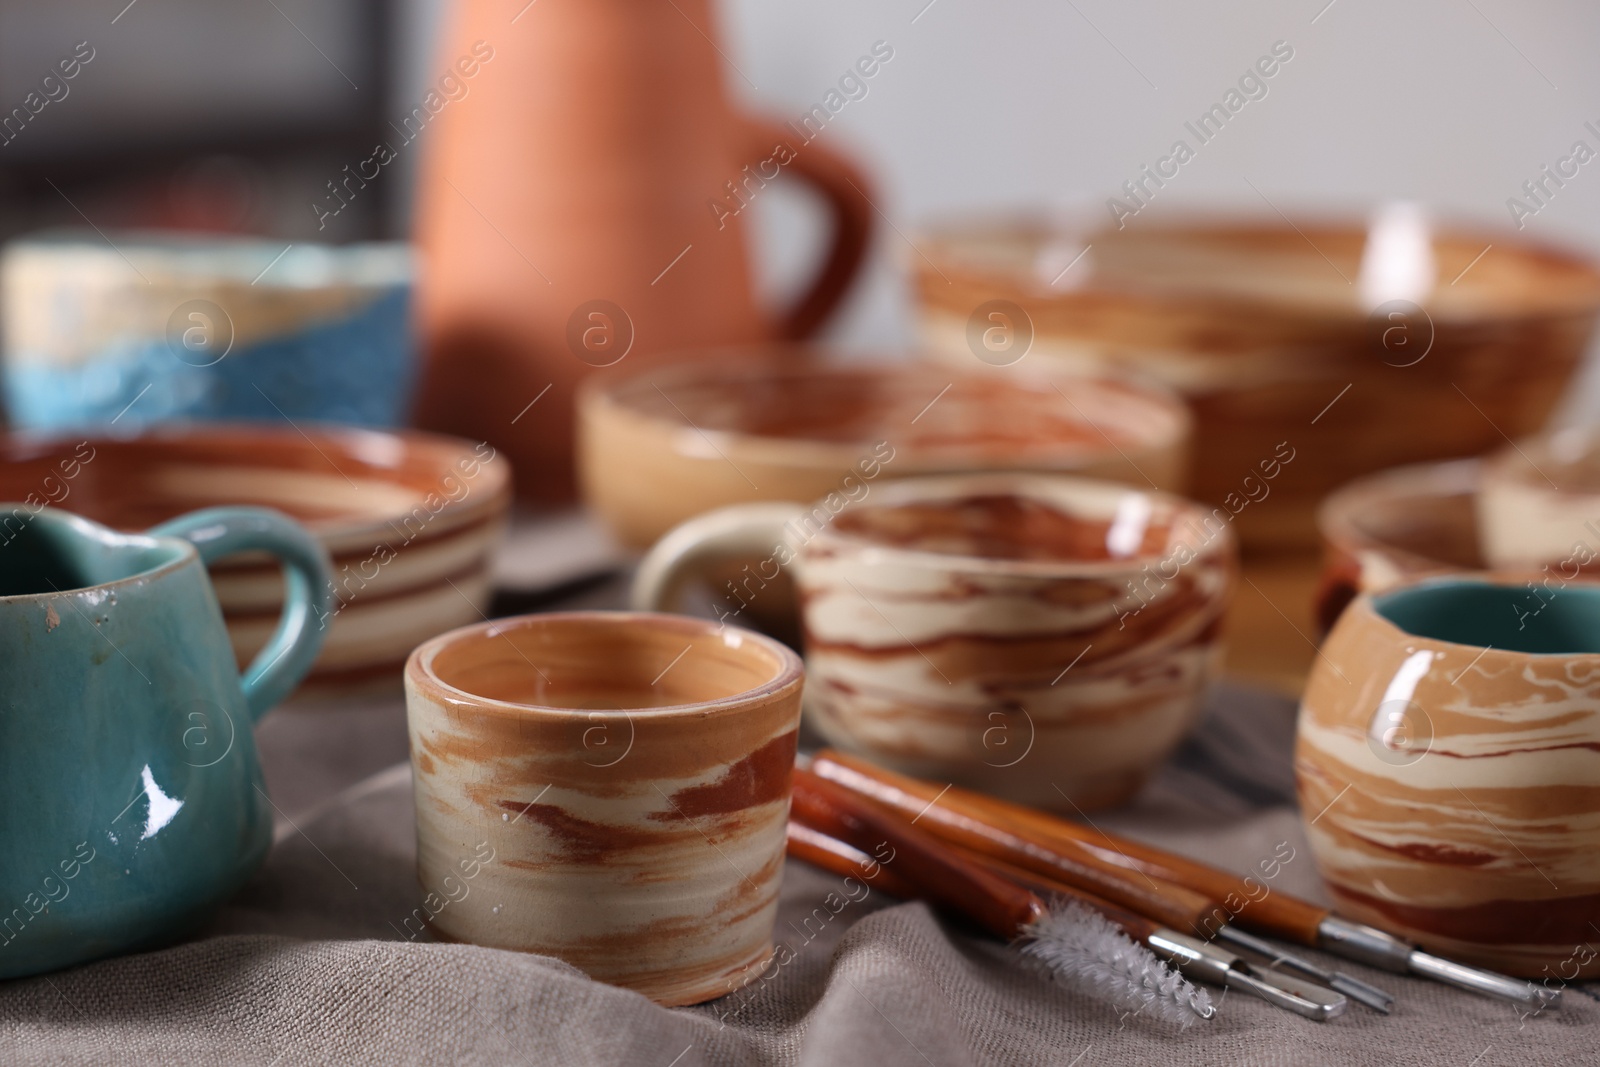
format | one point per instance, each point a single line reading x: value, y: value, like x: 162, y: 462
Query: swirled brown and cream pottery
x: 409, y: 519
x: 607, y: 788
x: 1448, y: 762
x: 659, y: 446
x: 1395, y: 525
x: 1539, y: 504
x: 1039, y: 637
x: 1361, y: 345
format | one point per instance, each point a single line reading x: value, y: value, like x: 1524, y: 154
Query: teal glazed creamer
x: 131, y: 799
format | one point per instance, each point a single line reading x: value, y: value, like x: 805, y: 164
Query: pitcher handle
x: 288, y: 655
x: 844, y: 187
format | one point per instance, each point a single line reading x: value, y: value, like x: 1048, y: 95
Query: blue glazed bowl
x: 141, y: 329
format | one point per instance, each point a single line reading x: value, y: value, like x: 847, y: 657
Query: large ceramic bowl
x: 665, y: 443
x: 1355, y: 347
x: 410, y: 520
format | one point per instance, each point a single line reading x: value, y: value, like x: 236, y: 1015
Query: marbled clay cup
x: 1448, y: 763
x: 1042, y: 638
x: 607, y: 788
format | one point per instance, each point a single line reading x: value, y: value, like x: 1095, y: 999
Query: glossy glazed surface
x: 660, y: 446
x: 134, y: 802
x: 1261, y: 325
x: 618, y: 784
x: 1057, y: 667
x: 1450, y: 789
x: 409, y: 519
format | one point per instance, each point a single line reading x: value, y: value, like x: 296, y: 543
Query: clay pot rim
x: 417, y: 453
x: 909, y: 490
x: 1500, y: 578
x: 936, y: 235
x: 1338, y: 513
x: 790, y: 673
x: 1163, y: 404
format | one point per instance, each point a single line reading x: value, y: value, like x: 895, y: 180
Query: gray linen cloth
x: 310, y: 964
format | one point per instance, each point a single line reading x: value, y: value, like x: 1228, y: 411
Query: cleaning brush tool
x: 1079, y: 945
x: 1085, y: 948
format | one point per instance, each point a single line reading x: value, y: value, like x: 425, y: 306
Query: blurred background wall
x: 236, y: 115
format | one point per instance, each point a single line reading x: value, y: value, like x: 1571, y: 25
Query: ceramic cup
x: 1448, y: 763
x: 1539, y: 503
x: 607, y: 788
x: 133, y: 800
x: 1039, y: 637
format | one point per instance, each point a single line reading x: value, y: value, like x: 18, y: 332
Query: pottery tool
x: 1152, y: 895
x: 1087, y: 949
x: 979, y: 889
x: 1059, y: 848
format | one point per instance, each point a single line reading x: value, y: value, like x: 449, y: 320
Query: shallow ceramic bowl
x: 1390, y: 527
x: 1269, y: 330
x: 410, y: 520
x: 662, y: 444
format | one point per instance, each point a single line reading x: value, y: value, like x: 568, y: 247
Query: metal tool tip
x: 1359, y: 991
x: 1489, y: 983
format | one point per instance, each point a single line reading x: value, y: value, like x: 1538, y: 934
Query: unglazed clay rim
x: 808, y: 452
x: 938, y: 236
x: 1340, y: 529
x: 419, y: 666
x: 187, y: 554
x: 438, y: 451
x: 913, y: 490
x: 1366, y: 602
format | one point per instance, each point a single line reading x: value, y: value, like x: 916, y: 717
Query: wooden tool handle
x: 1012, y: 831
x: 940, y: 876
x: 1169, y: 904
x: 833, y: 855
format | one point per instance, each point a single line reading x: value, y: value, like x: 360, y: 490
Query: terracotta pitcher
x: 582, y: 199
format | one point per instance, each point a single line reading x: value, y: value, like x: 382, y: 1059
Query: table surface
x: 1272, y: 637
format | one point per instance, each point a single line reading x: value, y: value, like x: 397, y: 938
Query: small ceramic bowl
x: 1447, y: 759
x: 1357, y: 345
x: 156, y: 327
x: 662, y: 444
x: 410, y: 520
x: 1396, y: 525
